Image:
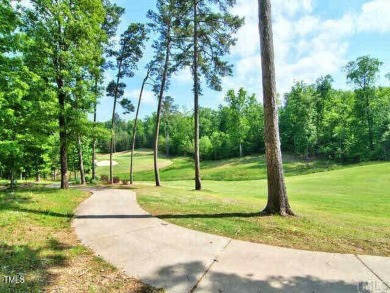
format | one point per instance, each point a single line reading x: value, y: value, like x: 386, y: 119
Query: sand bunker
x: 105, y: 163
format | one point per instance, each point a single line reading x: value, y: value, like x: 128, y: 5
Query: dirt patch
x: 84, y: 272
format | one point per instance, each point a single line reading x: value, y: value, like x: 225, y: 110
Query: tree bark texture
x: 81, y: 161
x: 198, y: 183
x: 113, y: 117
x: 277, y: 194
x: 160, y: 100
x: 94, y: 138
x: 135, y: 126
x: 63, y: 139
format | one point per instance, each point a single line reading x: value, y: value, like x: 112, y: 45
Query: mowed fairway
x: 235, y: 169
x: 143, y: 161
x: 345, y: 210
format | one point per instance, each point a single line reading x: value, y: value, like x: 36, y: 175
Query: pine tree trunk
x: 113, y: 117
x: 277, y: 193
x: 112, y: 143
x: 198, y: 183
x: 160, y: 100
x: 135, y: 126
x: 81, y: 161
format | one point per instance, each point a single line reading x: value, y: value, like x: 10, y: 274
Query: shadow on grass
x: 37, y: 212
x: 184, y: 277
x: 24, y: 268
x: 172, y: 216
x: 12, y: 201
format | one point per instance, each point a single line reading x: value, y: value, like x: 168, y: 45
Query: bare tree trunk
x: 240, y: 149
x: 37, y: 176
x: 160, y: 100
x: 277, y: 193
x: 198, y: 183
x: 135, y: 125
x: 113, y: 118
x: 63, y: 138
x: 94, y: 138
x: 12, y: 181
x: 81, y: 161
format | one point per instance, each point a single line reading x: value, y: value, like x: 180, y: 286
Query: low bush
x: 104, y: 178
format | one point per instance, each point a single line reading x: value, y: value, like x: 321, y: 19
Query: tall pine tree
x: 126, y: 58
x: 206, y: 35
x: 277, y: 193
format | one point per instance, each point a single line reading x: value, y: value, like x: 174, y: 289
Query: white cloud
x: 306, y: 45
x: 184, y: 75
x: 291, y: 8
x: 147, y: 97
x: 375, y: 17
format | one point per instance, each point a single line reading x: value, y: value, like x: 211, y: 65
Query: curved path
x: 182, y: 260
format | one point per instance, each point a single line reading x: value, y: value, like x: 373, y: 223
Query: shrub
x: 116, y: 179
x: 125, y: 182
x: 104, y: 178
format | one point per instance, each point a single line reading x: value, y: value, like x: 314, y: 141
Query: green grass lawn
x: 345, y: 210
x: 182, y: 168
x: 143, y: 161
x: 38, y: 244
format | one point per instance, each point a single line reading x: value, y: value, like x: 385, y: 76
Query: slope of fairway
x: 143, y: 161
x: 235, y: 169
x: 346, y: 210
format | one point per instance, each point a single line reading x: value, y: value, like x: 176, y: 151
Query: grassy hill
x: 340, y: 208
x: 182, y: 168
x: 143, y: 161
x: 345, y: 210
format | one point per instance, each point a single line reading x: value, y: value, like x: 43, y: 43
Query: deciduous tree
x: 65, y: 36
x: 362, y: 74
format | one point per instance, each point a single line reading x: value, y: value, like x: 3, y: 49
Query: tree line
x: 316, y: 121
x: 52, y: 63
x: 53, y: 58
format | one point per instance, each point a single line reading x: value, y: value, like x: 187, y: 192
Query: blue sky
x: 311, y: 37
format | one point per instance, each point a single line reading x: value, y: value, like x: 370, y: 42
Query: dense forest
x: 52, y: 62
x: 316, y: 121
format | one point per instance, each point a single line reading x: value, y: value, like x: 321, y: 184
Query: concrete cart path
x: 182, y: 260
